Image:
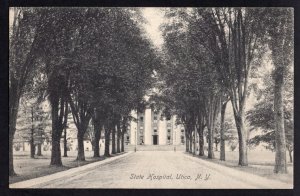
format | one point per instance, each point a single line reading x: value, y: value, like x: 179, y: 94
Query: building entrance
x: 155, y: 139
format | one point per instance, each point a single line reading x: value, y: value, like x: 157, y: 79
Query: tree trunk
x: 82, y: 124
x: 56, y: 131
x: 11, y: 157
x: 122, y: 142
x: 222, y: 132
x: 212, y: 112
x: 97, y: 130
x: 118, y: 138
x: 124, y: 128
x: 186, y: 141
x: 113, y: 140
x: 243, y: 158
x: 56, y: 134
x: 216, y: 145
x: 191, y: 142
x: 80, y: 153
x: 194, y: 150
x: 210, y: 128
x: 280, y: 143
x: 97, y: 121
x: 96, y: 141
x: 107, y: 138
x: 201, y: 141
x: 65, y: 143
x: 23, y: 144
x: 39, y: 149
x: 96, y: 147
x: 210, y: 153
x: 55, y: 152
x: 32, y: 146
x: 291, y: 156
x: 13, y: 113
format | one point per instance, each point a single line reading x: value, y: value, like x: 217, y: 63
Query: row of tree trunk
x: 114, y: 134
x: 197, y: 123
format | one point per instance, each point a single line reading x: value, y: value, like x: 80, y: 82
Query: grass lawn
x: 260, y: 163
x: 28, y: 168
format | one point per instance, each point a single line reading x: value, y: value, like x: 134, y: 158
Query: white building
x: 152, y: 129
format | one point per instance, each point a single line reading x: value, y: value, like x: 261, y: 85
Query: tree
x: 281, y: 45
x: 56, y: 45
x: 66, y: 145
x: 118, y: 137
x: 222, y: 130
x: 23, y: 45
x: 200, y: 130
x: 225, y: 132
x: 82, y: 112
x: 262, y: 116
x: 233, y: 37
x: 32, y: 124
x: 190, y: 76
x: 91, y: 59
x: 123, y: 77
x: 98, y: 126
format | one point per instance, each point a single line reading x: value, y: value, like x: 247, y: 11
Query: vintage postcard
x: 151, y: 97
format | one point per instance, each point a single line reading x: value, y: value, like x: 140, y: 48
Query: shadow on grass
x: 32, y: 169
x: 263, y: 169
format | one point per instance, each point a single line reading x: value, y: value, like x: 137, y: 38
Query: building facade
x: 153, y: 129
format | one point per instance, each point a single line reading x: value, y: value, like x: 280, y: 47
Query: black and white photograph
x: 151, y: 97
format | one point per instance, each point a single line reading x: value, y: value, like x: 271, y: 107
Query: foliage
x: 93, y: 59
x: 229, y: 132
x: 33, y: 118
x: 261, y: 117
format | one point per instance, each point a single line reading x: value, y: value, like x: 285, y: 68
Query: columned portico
x: 153, y: 129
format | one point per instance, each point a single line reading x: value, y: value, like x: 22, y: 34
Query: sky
x: 154, y: 19
x: 11, y: 16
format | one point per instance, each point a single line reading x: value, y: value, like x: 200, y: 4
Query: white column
x: 148, y: 127
x: 133, y: 129
x: 162, y: 130
x: 176, y: 130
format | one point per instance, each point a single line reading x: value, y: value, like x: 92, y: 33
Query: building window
x: 182, y: 139
x: 155, y: 130
x: 182, y: 130
x: 169, y: 138
x: 141, y: 119
x: 169, y: 130
x: 155, y: 117
x: 168, y: 118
